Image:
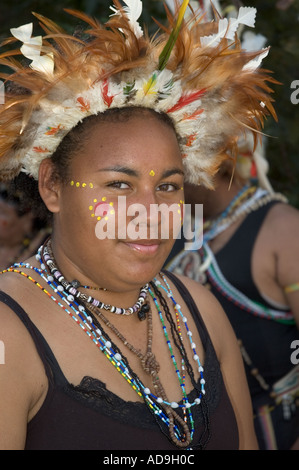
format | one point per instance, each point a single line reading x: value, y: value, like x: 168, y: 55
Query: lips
x: 146, y: 247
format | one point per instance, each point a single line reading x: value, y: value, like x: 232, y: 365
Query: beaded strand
x: 84, y: 319
x: 73, y: 293
x: 233, y: 211
x: 104, y: 344
x: 177, y: 308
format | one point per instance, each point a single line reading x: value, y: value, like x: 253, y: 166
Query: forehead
x: 140, y: 142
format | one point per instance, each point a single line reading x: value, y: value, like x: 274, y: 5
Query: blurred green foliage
x: 279, y: 26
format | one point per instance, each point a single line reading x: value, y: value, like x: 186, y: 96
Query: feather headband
x: 194, y: 71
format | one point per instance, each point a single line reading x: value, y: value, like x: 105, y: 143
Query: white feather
x: 228, y: 28
x: 214, y: 39
x: 32, y: 47
x: 133, y: 11
x: 23, y: 33
x: 247, y: 16
x: 255, y: 63
x: 43, y: 63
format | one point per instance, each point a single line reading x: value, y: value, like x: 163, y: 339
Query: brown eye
x: 119, y: 185
x: 168, y: 187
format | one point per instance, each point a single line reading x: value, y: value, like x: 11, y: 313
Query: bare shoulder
x: 22, y: 376
x: 283, y: 218
x: 213, y: 315
x: 21, y: 355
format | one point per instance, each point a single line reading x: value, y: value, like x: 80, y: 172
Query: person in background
x: 249, y: 261
x: 21, y: 229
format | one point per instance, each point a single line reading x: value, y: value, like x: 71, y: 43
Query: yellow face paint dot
x: 112, y: 212
x: 90, y: 208
x: 78, y: 185
x: 83, y: 185
x: 152, y: 173
x: 104, y: 199
x: 72, y: 183
x: 110, y: 203
x: 90, y: 185
x: 95, y: 200
x: 99, y: 218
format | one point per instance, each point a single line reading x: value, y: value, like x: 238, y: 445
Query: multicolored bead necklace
x: 247, y: 200
x: 71, y: 288
x: 163, y: 409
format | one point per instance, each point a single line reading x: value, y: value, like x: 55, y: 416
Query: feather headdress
x: 194, y: 71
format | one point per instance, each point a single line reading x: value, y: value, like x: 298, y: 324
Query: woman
x: 251, y: 273
x: 110, y: 353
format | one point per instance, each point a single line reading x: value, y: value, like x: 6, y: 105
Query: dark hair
x: 16, y: 194
x: 71, y: 145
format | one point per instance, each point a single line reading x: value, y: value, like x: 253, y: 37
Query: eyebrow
x: 130, y: 172
x: 121, y: 169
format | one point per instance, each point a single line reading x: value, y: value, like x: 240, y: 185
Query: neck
x: 101, y: 291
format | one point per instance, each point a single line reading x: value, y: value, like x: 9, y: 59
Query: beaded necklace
x: 254, y: 199
x: 72, y: 291
x: 159, y: 405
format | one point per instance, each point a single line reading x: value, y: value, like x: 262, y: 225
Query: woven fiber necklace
x: 152, y: 367
x: 164, y: 411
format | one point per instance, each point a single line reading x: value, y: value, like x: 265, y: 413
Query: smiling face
x: 125, y: 166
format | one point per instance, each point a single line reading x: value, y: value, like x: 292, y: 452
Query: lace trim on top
x: 94, y: 394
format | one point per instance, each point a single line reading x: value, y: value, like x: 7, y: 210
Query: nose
x: 142, y: 211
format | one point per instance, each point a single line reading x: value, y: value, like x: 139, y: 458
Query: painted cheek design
x: 77, y: 184
x: 102, y: 209
x: 181, y: 210
x: 98, y: 209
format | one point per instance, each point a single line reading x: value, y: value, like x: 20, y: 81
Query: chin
x: 143, y: 272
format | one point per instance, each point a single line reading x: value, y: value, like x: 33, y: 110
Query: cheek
x: 102, y: 208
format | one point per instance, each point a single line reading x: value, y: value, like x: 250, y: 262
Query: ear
x: 49, y: 187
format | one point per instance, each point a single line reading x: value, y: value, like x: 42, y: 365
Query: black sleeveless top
x: 266, y: 341
x: 90, y: 417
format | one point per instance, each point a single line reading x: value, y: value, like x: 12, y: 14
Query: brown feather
x: 231, y: 101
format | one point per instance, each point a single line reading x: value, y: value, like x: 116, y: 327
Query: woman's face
x: 109, y: 222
